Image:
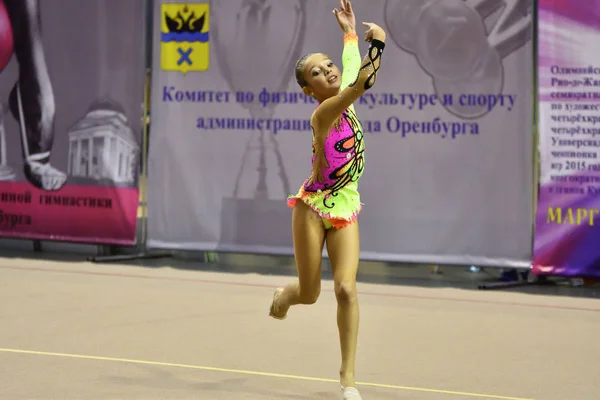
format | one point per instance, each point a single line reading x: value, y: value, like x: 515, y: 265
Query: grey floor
x: 177, y: 328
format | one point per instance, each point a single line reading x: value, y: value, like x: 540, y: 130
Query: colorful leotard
x: 336, y: 198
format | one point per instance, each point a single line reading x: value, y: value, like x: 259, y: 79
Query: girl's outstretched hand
x: 345, y: 16
x: 374, y: 31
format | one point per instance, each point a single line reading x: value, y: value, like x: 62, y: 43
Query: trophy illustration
x: 257, y: 43
x: 450, y: 40
x: 6, y: 172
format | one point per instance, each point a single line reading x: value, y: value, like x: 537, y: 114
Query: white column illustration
x: 453, y: 44
x: 94, y: 156
x: 90, y: 166
x: 77, y: 161
x: 6, y: 172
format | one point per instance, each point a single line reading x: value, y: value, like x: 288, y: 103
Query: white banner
x: 448, y: 127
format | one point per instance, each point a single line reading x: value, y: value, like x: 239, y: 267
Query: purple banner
x: 567, y: 235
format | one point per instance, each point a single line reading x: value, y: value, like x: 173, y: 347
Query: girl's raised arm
x: 332, y: 108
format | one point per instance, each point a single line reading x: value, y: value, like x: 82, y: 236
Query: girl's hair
x: 302, y: 82
x: 300, y: 70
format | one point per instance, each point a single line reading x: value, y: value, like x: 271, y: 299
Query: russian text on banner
x: 70, y: 119
x: 567, y: 234
x: 447, y: 127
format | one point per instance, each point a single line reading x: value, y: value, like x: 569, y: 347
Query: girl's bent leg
x: 343, y: 247
x: 309, y: 238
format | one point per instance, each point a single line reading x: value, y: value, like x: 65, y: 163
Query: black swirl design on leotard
x: 351, y: 170
x: 373, y: 63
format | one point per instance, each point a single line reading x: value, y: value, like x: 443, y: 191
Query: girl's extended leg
x: 343, y: 247
x: 309, y: 238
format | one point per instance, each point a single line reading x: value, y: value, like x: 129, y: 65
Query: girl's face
x: 322, y: 76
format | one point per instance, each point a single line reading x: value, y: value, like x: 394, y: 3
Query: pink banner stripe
x: 85, y: 214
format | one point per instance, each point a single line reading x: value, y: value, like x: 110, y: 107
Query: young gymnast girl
x: 326, y: 208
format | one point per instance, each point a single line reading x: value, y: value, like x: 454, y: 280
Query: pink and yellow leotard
x: 336, y: 198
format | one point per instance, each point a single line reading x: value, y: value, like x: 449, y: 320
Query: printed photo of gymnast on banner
x: 71, y: 90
